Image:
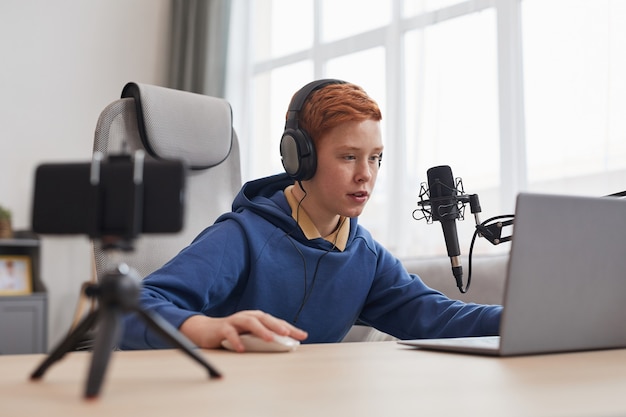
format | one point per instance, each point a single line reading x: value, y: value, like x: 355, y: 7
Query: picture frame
x: 16, y: 276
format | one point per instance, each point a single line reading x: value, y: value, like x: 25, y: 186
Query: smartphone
x: 70, y: 199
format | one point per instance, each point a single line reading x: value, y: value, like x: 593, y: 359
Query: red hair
x: 335, y: 104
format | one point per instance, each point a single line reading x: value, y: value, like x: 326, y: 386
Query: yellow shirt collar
x: 339, y: 237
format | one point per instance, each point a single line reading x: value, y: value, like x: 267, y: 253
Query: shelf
x: 23, y: 318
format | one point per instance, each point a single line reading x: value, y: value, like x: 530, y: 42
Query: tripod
x: 117, y: 293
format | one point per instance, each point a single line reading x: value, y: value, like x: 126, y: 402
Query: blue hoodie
x: 257, y: 258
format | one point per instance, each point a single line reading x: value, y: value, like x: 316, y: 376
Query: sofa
x: 487, y: 286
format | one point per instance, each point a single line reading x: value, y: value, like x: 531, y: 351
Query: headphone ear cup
x: 298, y: 155
x: 297, y: 150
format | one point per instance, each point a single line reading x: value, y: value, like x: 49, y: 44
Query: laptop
x: 566, y: 280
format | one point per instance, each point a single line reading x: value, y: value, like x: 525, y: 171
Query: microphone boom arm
x: 493, y: 232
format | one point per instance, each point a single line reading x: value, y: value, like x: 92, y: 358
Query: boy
x: 291, y: 258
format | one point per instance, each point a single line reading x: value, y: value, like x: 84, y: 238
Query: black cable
x: 288, y: 235
x: 471, y: 250
x: 307, y: 291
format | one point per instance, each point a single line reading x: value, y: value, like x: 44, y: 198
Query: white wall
x: 61, y: 63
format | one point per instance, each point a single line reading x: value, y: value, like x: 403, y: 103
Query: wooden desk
x: 346, y: 379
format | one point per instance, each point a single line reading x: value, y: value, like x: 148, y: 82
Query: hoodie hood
x: 265, y: 197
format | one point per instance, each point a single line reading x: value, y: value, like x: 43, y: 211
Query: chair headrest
x: 176, y: 124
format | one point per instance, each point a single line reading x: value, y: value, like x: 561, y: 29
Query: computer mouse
x: 254, y: 343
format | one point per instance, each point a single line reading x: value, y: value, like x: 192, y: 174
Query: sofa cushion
x: 488, y: 276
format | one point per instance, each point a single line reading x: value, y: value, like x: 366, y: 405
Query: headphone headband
x: 298, y: 100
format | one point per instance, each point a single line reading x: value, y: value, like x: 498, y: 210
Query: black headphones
x: 297, y: 150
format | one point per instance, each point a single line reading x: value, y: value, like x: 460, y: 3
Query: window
x: 451, y: 85
x: 575, y: 89
x: 513, y: 95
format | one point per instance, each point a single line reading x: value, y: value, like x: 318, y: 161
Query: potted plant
x: 6, y: 230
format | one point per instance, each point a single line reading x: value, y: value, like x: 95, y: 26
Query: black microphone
x: 444, y: 208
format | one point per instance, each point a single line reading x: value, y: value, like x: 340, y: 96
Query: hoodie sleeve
x: 188, y: 285
x: 401, y: 304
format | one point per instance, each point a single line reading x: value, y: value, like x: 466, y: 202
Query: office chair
x: 173, y: 124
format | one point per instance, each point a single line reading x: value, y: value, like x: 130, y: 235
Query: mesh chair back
x: 172, y: 124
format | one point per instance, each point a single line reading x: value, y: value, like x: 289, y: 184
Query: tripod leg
x: 66, y: 345
x: 172, y: 334
x: 107, y: 336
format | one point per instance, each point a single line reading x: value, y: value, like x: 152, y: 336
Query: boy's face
x: 347, y: 166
